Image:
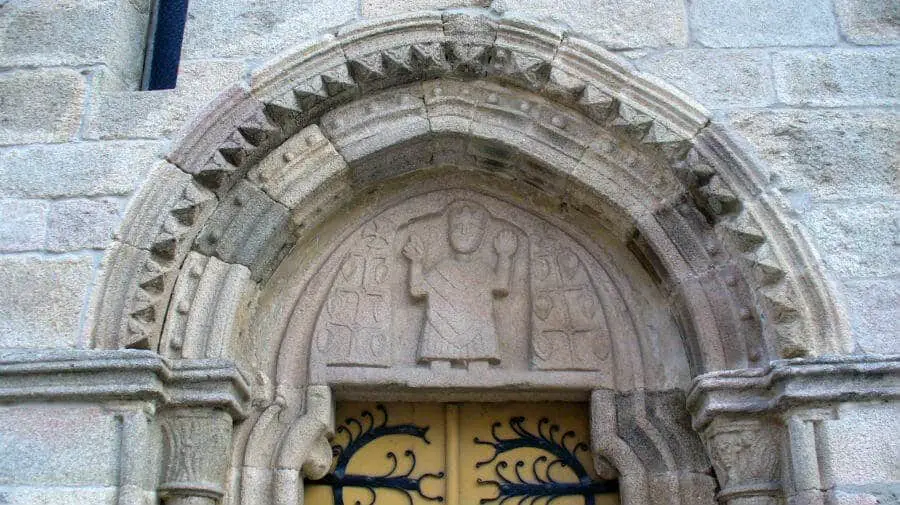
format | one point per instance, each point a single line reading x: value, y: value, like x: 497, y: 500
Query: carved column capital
x: 197, y: 446
x: 746, y: 457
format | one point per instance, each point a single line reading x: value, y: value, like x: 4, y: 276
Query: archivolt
x: 523, y: 101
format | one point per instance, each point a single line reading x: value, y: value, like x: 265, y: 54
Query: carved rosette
x: 745, y: 456
x: 197, y: 445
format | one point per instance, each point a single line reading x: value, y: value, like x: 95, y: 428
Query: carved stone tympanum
x: 455, y: 278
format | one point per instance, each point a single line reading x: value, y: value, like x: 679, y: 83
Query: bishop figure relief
x: 459, y: 290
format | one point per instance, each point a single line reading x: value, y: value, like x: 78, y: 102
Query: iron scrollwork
x: 362, y: 432
x: 563, y: 453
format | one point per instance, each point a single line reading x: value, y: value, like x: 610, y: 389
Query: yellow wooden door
x: 462, y: 454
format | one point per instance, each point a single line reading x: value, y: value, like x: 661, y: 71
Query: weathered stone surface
x: 868, y: 22
x: 60, y: 495
x: 857, y: 240
x: 615, y: 25
x: 41, y: 300
x: 40, y: 105
x: 74, y: 435
x: 848, y: 443
x: 76, y: 169
x: 76, y: 32
x: 247, y: 28
x: 759, y: 23
x: 24, y: 226
x: 249, y: 228
x: 874, y: 307
x: 198, y: 461
x: 826, y: 154
x: 377, y: 8
x: 82, y: 224
x: 198, y: 323
x: 152, y: 114
x: 306, y: 175
x: 717, y: 79
x: 838, y: 77
x: 157, y: 231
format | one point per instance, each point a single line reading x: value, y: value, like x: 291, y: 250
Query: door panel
x: 465, y: 454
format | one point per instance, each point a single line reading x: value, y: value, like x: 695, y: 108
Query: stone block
x: 40, y: 105
x: 161, y: 113
x: 378, y: 8
x: 24, y: 225
x: 841, y: 77
x: 887, y: 493
x: 826, y: 154
x: 874, y: 309
x: 716, y: 79
x: 248, y: 228
x: 76, y: 32
x: 82, y: 224
x: 615, y: 25
x: 861, y: 446
x: 306, y: 175
x: 869, y: 22
x: 58, y: 445
x: 197, y: 326
x: 857, y: 240
x: 59, y: 495
x: 761, y: 23
x: 248, y: 28
x: 41, y: 300
x: 76, y: 169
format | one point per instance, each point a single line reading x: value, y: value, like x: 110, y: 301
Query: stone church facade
x: 680, y: 215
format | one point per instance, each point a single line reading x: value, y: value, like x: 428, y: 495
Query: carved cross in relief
x: 459, y: 290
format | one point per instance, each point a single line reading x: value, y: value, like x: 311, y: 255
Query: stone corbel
x: 606, y: 444
x: 305, y: 451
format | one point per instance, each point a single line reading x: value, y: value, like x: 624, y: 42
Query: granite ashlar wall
x: 812, y: 85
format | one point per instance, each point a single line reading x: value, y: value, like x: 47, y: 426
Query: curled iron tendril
x: 362, y: 431
x: 561, y: 450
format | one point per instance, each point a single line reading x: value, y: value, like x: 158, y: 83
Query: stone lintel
x: 124, y: 375
x: 793, y: 383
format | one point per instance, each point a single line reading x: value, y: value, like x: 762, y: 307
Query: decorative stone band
x: 787, y: 384
x: 73, y: 375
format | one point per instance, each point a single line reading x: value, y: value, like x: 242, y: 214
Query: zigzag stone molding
x: 271, y: 158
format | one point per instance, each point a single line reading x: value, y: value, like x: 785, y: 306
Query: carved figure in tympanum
x: 459, y: 290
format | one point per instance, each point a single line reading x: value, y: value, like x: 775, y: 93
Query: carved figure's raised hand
x: 505, y: 243
x: 414, y: 248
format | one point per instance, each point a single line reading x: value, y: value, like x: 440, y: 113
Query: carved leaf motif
x: 541, y: 269
x: 543, y: 304
x: 568, y: 264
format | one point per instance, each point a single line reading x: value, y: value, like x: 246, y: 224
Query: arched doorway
x: 622, y: 245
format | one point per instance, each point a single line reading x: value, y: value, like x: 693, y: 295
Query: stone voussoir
x: 249, y: 228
